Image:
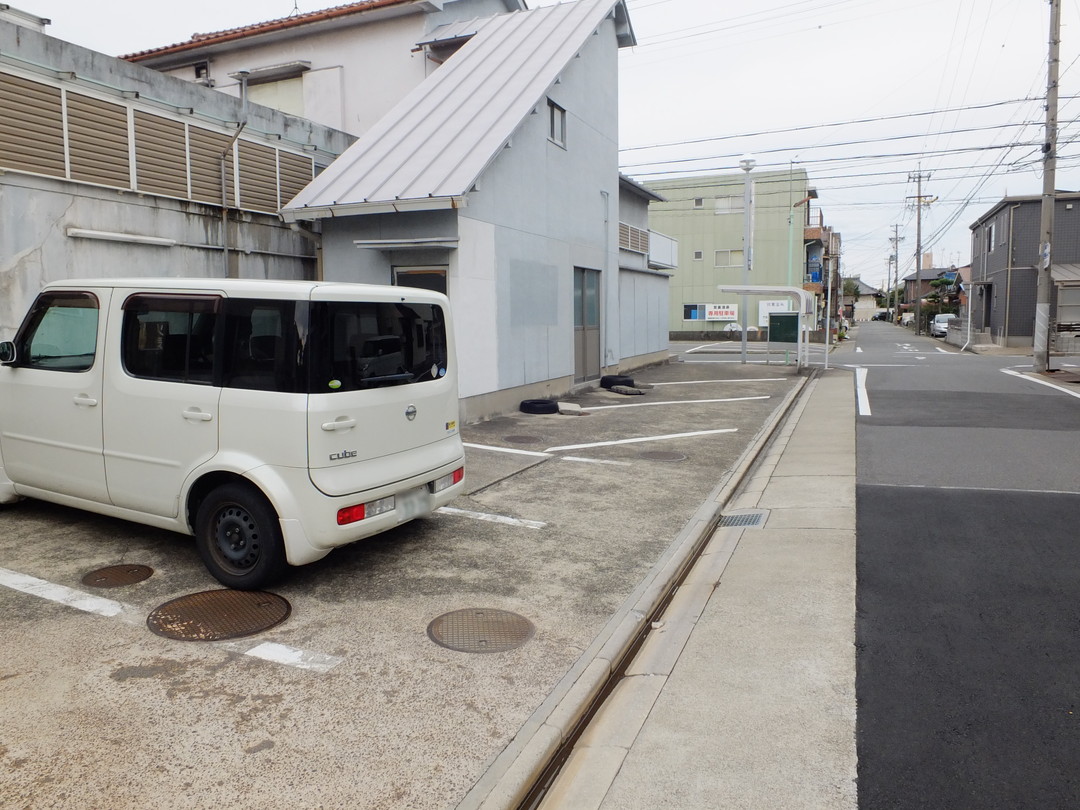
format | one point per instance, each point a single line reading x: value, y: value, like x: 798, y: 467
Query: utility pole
x: 895, y: 257
x: 1041, y: 352
x: 918, y: 177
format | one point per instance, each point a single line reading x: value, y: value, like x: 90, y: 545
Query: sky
x: 864, y: 95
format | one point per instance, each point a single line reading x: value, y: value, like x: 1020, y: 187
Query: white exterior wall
x: 548, y: 208
x: 360, y: 66
x: 643, y: 305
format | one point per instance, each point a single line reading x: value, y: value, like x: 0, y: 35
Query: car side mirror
x: 7, y: 353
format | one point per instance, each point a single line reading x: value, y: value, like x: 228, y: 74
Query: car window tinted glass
x: 264, y: 345
x: 170, y: 337
x: 361, y: 345
x: 60, y: 332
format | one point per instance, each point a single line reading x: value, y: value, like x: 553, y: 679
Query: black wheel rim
x: 237, y: 539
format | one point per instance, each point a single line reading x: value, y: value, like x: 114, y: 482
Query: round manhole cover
x: 663, y: 455
x: 523, y: 439
x: 480, y: 630
x: 114, y: 576
x: 217, y: 615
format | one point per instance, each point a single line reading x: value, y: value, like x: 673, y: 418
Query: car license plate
x: 412, y: 503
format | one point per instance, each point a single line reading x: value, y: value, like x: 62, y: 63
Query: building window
x: 556, y: 124
x: 729, y: 205
x: 729, y: 258
x: 693, y: 312
x: 990, y: 238
x: 699, y: 255
x: 699, y: 202
x: 202, y: 74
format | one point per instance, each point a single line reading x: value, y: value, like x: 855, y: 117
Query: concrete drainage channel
x: 521, y: 776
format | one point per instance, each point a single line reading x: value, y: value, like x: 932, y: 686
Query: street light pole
x: 747, y: 165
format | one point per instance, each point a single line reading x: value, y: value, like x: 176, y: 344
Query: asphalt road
x: 968, y: 624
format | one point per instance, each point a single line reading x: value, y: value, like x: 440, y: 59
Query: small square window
x: 698, y: 255
x: 556, y: 123
x: 699, y: 202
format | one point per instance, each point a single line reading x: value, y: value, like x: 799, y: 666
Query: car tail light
x: 439, y: 484
x: 354, y: 514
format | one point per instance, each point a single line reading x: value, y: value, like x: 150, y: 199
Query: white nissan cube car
x: 274, y: 420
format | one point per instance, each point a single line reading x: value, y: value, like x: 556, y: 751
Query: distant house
x: 1004, y: 277
x: 859, y: 302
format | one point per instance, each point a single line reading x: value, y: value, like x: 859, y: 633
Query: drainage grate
x: 115, y: 576
x: 662, y: 455
x: 743, y: 520
x: 480, y: 630
x: 217, y: 615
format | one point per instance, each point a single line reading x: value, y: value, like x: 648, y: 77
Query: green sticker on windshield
x: 335, y: 384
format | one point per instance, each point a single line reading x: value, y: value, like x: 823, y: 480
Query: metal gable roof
x: 430, y: 149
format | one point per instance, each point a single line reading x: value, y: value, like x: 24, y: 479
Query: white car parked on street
x: 939, y: 326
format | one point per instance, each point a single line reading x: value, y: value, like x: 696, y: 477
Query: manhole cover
x: 480, y: 630
x: 523, y: 439
x: 217, y: 615
x: 114, y: 576
x: 663, y: 455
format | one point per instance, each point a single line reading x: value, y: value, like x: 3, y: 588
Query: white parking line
x: 596, y: 461
x: 509, y: 521
x: 110, y: 608
x: 513, y: 450
x: 671, y: 402
x: 63, y: 595
x: 642, y: 439
x: 703, y: 382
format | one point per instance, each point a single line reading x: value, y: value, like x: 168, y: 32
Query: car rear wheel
x: 239, y: 538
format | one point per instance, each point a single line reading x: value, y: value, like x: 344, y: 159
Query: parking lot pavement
x: 349, y: 702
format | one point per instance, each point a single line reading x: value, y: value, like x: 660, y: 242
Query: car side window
x: 170, y: 337
x: 60, y: 332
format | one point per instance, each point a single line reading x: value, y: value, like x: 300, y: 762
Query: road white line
x: 943, y: 351
x: 1047, y: 383
x: 705, y: 382
x: 642, y: 439
x: 508, y: 521
x: 673, y: 402
x: 702, y: 347
x: 513, y: 450
x: 110, y: 608
x: 860, y: 391
x: 728, y: 362
x: 980, y: 489
x: 858, y: 350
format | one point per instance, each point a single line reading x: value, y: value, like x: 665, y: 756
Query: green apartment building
x: 706, y: 215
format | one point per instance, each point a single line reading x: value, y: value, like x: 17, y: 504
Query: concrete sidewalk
x: 743, y: 695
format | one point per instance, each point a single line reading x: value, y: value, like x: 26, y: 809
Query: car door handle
x: 83, y: 399
x: 195, y: 415
x: 341, y: 423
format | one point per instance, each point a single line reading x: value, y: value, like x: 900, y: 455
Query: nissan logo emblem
x: 410, y: 412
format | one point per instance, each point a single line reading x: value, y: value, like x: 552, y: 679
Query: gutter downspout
x: 242, y: 76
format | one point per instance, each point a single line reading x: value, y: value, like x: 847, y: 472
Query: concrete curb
x: 513, y: 772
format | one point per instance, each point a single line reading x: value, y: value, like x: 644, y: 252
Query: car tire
x: 239, y: 538
x: 539, y: 406
x: 611, y: 380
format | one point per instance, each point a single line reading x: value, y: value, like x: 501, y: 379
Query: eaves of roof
x: 285, y: 24
x: 432, y: 147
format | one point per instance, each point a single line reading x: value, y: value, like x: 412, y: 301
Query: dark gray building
x: 1004, y: 261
